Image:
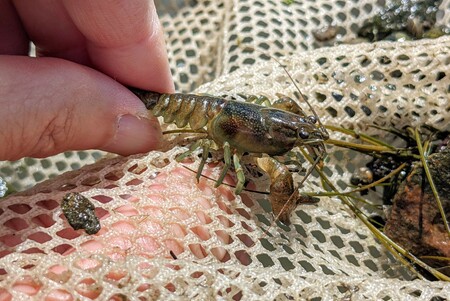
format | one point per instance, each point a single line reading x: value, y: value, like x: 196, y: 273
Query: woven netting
x: 166, y: 236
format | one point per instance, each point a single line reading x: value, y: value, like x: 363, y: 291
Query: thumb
x: 49, y: 105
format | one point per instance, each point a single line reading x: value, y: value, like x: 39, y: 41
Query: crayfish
x: 245, y: 127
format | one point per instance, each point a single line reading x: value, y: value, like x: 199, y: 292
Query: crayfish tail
x: 149, y: 98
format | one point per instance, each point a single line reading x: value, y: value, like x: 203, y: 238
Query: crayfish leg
x: 239, y: 174
x: 205, y: 144
x: 227, y: 159
x: 188, y: 152
x: 318, y: 154
x: 259, y: 100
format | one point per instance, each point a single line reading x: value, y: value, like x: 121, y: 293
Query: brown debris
x: 415, y: 221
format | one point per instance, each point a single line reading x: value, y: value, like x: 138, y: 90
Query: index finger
x: 124, y: 40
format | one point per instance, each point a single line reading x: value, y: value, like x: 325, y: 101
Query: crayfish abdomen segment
x: 182, y: 109
x: 187, y: 108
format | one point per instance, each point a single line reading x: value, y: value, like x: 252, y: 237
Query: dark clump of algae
x: 80, y: 213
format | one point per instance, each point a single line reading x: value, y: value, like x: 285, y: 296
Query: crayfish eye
x: 312, y: 119
x: 303, y: 134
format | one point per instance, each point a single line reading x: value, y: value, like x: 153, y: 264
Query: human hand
x: 71, y: 97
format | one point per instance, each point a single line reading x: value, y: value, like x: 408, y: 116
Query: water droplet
x: 360, y: 79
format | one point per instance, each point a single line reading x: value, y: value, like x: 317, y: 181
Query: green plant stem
x: 367, y: 148
x: 430, y: 179
x: 362, y: 137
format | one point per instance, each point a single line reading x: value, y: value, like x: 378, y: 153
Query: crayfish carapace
x: 245, y: 127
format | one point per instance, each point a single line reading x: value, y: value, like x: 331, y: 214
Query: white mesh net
x: 152, y: 210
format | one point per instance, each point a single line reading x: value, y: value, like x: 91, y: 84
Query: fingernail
x: 135, y: 135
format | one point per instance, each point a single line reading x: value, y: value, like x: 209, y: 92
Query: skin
x: 73, y: 96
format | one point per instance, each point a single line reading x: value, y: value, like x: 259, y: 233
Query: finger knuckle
x: 58, y: 133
